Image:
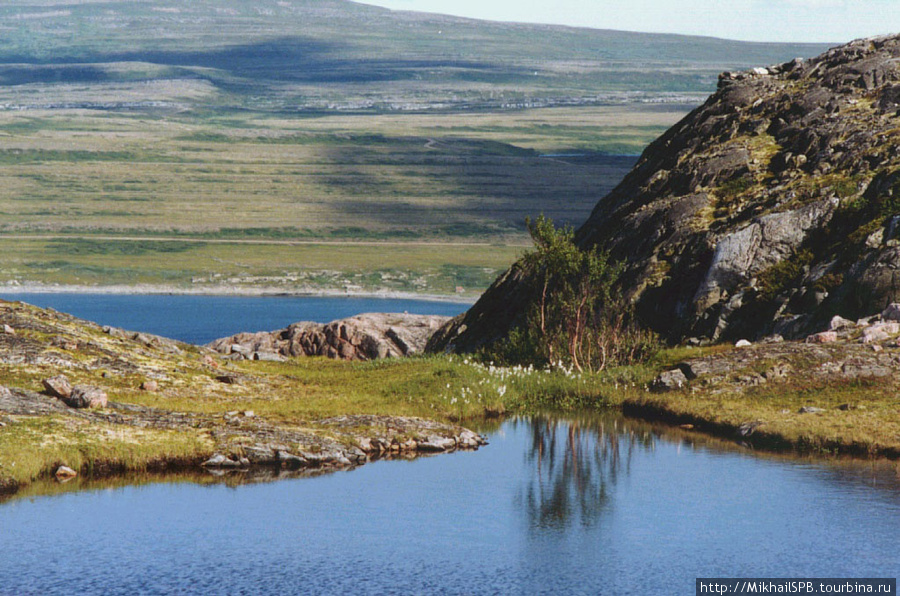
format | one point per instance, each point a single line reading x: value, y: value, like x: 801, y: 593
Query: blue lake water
x: 594, y: 505
x: 201, y: 319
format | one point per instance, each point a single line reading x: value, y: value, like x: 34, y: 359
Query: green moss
x: 783, y: 274
x: 828, y: 282
x: 735, y: 187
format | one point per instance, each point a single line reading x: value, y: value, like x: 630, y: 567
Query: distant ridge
x: 336, y: 53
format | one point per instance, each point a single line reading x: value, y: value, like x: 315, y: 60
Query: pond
x: 597, y: 505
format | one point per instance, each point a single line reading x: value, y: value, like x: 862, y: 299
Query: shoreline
x: 172, y: 402
x: 236, y: 291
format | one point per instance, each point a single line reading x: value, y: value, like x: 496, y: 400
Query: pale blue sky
x: 754, y: 20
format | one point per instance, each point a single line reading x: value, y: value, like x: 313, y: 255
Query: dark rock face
x: 771, y: 208
x: 363, y: 337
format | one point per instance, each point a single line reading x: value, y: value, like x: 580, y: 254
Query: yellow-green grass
x: 35, y: 446
x: 196, y: 176
x: 84, y: 171
x: 858, y: 415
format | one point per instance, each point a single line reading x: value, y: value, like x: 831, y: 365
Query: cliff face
x: 770, y: 208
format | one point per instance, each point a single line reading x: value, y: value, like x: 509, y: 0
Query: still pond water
x: 593, y: 505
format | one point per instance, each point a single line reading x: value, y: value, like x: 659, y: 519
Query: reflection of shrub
x: 575, y: 319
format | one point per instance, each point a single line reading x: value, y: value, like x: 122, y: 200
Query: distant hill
x: 339, y: 54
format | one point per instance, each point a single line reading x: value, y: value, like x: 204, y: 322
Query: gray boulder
x: 892, y: 312
x: 670, y: 380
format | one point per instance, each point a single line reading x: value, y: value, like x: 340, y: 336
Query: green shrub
x: 575, y: 319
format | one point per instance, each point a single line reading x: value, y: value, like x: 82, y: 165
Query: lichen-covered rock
x: 669, y: 380
x: 58, y: 386
x: 83, y: 396
x: 771, y: 208
x: 363, y: 337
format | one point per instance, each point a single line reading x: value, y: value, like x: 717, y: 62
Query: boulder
x: 669, y: 380
x: 220, y: 461
x: 892, y: 312
x: 65, y: 473
x: 880, y: 332
x: 469, y: 440
x: 150, y: 386
x: 84, y: 396
x: 824, y: 337
x: 838, y: 323
x: 436, y: 443
x: 58, y: 386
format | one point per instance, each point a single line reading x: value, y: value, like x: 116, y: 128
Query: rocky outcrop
x: 363, y: 337
x: 866, y: 349
x: 770, y: 208
x: 107, y: 367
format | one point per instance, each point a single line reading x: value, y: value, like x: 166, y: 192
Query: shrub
x: 575, y: 318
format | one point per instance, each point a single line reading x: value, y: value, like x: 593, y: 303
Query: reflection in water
x: 590, y: 505
x: 575, y: 462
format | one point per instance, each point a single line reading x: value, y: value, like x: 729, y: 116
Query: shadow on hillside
x: 431, y: 183
x: 293, y: 59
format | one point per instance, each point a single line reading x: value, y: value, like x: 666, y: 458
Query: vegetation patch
x: 576, y: 319
x: 85, y: 246
x: 783, y: 274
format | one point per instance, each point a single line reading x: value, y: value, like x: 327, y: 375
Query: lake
x: 201, y: 319
x: 578, y: 505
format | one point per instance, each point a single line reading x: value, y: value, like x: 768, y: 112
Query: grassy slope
x: 272, y: 178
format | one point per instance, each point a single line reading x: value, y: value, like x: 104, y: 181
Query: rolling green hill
x: 265, y: 138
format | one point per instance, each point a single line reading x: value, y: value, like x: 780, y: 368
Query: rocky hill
x: 769, y: 209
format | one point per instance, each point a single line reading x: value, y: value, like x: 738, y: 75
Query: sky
x: 836, y: 21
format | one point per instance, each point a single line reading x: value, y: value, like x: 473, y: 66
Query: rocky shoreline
x: 835, y: 392
x: 235, y: 407
x: 113, y: 371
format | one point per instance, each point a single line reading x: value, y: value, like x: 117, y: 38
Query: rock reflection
x: 576, y: 462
